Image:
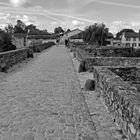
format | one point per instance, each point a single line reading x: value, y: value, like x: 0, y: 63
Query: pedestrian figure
x: 66, y: 42
x: 57, y: 41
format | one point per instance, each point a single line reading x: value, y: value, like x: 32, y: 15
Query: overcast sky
x: 47, y: 14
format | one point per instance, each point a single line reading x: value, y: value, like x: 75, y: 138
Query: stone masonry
x: 10, y: 58
x: 44, y: 101
x: 91, y: 61
x: 122, y: 100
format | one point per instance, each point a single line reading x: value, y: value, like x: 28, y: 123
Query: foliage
x: 68, y: 30
x: 40, y: 47
x: 32, y: 30
x: 9, y: 29
x: 110, y: 35
x: 95, y: 34
x: 20, y: 27
x: 124, y: 30
x: 43, y: 36
x: 58, y: 30
x: 6, y: 41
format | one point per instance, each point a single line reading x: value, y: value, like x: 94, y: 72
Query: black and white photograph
x: 69, y: 69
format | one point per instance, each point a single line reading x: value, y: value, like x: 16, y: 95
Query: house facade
x: 114, y: 42
x: 131, y: 39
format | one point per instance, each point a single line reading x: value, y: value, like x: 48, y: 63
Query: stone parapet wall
x: 121, y: 99
x: 105, y: 61
x: 8, y: 59
x: 113, y: 52
x: 41, y: 47
x: 111, y: 61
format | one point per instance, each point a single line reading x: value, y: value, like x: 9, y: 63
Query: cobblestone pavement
x: 43, y: 101
x: 105, y: 127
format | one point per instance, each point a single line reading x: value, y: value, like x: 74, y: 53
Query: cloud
x: 4, y: 4
x: 117, y: 4
x: 37, y: 10
x: 28, y: 19
x: 119, y: 25
x: 77, y: 23
x: 6, y: 18
x: 71, y: 17
x: 20, y: 3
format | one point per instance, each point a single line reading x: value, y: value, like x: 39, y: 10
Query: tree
x: 6, y: 41
x: 95, y: 34
x: 126, y: 31
x: 68, y: 30
x: 21, y: 24
x: 9, y: 29
x: 20, y: 27
x: 58, y: 30
x: 110, y: 35
x: 30, y: 28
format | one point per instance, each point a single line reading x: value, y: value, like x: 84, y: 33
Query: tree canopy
x: 6, y: 40
x: 68, y: 30
x: 58, y: 30
x: 95, y: 34
x: 20, y: 27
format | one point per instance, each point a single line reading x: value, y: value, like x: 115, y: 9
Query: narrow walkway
x: 43, y: 101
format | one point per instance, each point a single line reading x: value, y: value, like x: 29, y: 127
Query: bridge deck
x: 43, y: 101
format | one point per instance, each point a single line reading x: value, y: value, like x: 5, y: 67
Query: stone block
x: 89, y: 85
x: 82, y: 67
x: 122, y: 100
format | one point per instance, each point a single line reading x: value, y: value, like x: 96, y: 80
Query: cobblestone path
x: 43, y: 101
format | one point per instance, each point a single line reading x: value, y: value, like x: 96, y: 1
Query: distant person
x: 66, y: 42
x: 57, y: 41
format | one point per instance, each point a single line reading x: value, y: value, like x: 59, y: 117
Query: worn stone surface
x: 43, y: 101
x: 8, y: 59
x: 101, y: 117
x: 122, y: 100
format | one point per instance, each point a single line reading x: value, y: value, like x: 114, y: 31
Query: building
x: 19, y: 40
x: 131, y: 39
x: 115, y: 42
x: 73, y: 36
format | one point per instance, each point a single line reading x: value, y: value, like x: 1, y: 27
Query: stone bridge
x: 43, y: 100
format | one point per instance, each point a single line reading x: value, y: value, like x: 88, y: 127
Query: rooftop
x: 132, y: 34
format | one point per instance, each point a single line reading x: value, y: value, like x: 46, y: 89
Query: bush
x: 30, y: 53
x: 137, y: 53
x: 6, y: 42
x: 4, y: 68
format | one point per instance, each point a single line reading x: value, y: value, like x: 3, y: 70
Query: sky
x: 72, y: 14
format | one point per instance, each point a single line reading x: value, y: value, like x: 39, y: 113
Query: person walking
x: 57, y: 41
x: 66, y: 42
